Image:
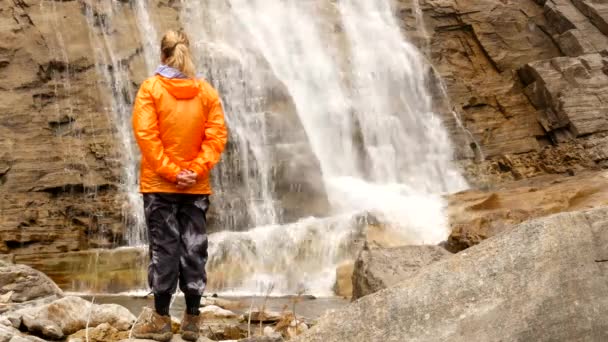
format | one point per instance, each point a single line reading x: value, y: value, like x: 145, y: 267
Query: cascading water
x: 114, y: 73
x: 357, y: 89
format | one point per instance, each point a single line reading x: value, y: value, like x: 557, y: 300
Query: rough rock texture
x: 70, y: 314
x: 546, y: 280
x: 344, y: 283
x: 525, y: 80
x: 20, y: 283
x: 101, y: 333
x: 8, y: 334
x: 59, y: 160
x: 476, y: 215
x: 379, y: 268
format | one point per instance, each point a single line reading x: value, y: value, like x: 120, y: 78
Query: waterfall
x: 361, y: 100
x: 336, y: 78
x: 114, y: 72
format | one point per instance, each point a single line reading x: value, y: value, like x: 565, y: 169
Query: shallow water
x: 308, y: 307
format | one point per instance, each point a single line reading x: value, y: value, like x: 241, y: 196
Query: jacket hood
x: 176, y: 83
x: 180, y: 88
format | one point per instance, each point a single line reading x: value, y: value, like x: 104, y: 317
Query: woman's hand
x: 186, y: 179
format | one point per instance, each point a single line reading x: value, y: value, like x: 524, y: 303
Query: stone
x: 21, y: 283
x: 475, y: 215
x: 43, y: 327
x: 264, y: 316
x: 223, y: 303
x: 70, y: 314
x: 6, y: 333
x: 214, y: 313
x: 378, y: 268
x: 296, y: 328
x: 522, y: 283
x: 569, y: 91
x: 102, y: 333
x: 262, y: 339
x: 344, y: 283
x: 271, y: 333
x: 115, y: 315
x: 224, y: 330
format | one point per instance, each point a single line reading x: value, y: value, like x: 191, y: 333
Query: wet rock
x: 379, y: 268
x: 344, y: 283
x: 521, y: 283
x: 21, y: 283
x: 95, y: 270
x: 70, y: 314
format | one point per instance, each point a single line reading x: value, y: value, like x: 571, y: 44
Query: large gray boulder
x: 379, y: 268
x: 546, y: 280
x: 21, y: 283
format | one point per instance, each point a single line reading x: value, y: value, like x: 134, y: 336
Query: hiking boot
x: 154, y: 327
x: 190, y: 327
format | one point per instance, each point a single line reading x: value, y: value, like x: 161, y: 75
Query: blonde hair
x: 175, y: 52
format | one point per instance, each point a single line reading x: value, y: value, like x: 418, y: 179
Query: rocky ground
x: 33, y: 308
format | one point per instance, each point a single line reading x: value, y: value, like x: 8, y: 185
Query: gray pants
x: 178, y: 242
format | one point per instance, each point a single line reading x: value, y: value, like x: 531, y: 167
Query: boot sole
x: 164, y: 337
x: 189, y: 336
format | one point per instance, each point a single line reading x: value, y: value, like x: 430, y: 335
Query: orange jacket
x: 178, y: 125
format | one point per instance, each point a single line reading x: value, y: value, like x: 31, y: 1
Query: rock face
x: 525, y: 79
x: 476, y: 215
x: 379, y: 268
x: 546, y: 280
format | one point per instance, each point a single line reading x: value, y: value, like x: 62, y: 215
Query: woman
x: 179, y: 126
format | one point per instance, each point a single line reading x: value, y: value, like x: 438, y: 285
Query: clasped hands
x: 186, y: 179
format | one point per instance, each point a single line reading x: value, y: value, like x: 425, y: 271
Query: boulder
x: 546, y: 280
x: 70, y: 314
x: 379, y: 268
x: 21, y: 283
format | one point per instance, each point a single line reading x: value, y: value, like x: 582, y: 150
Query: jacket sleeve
x: 147, y: 134
x: 216, y: 135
